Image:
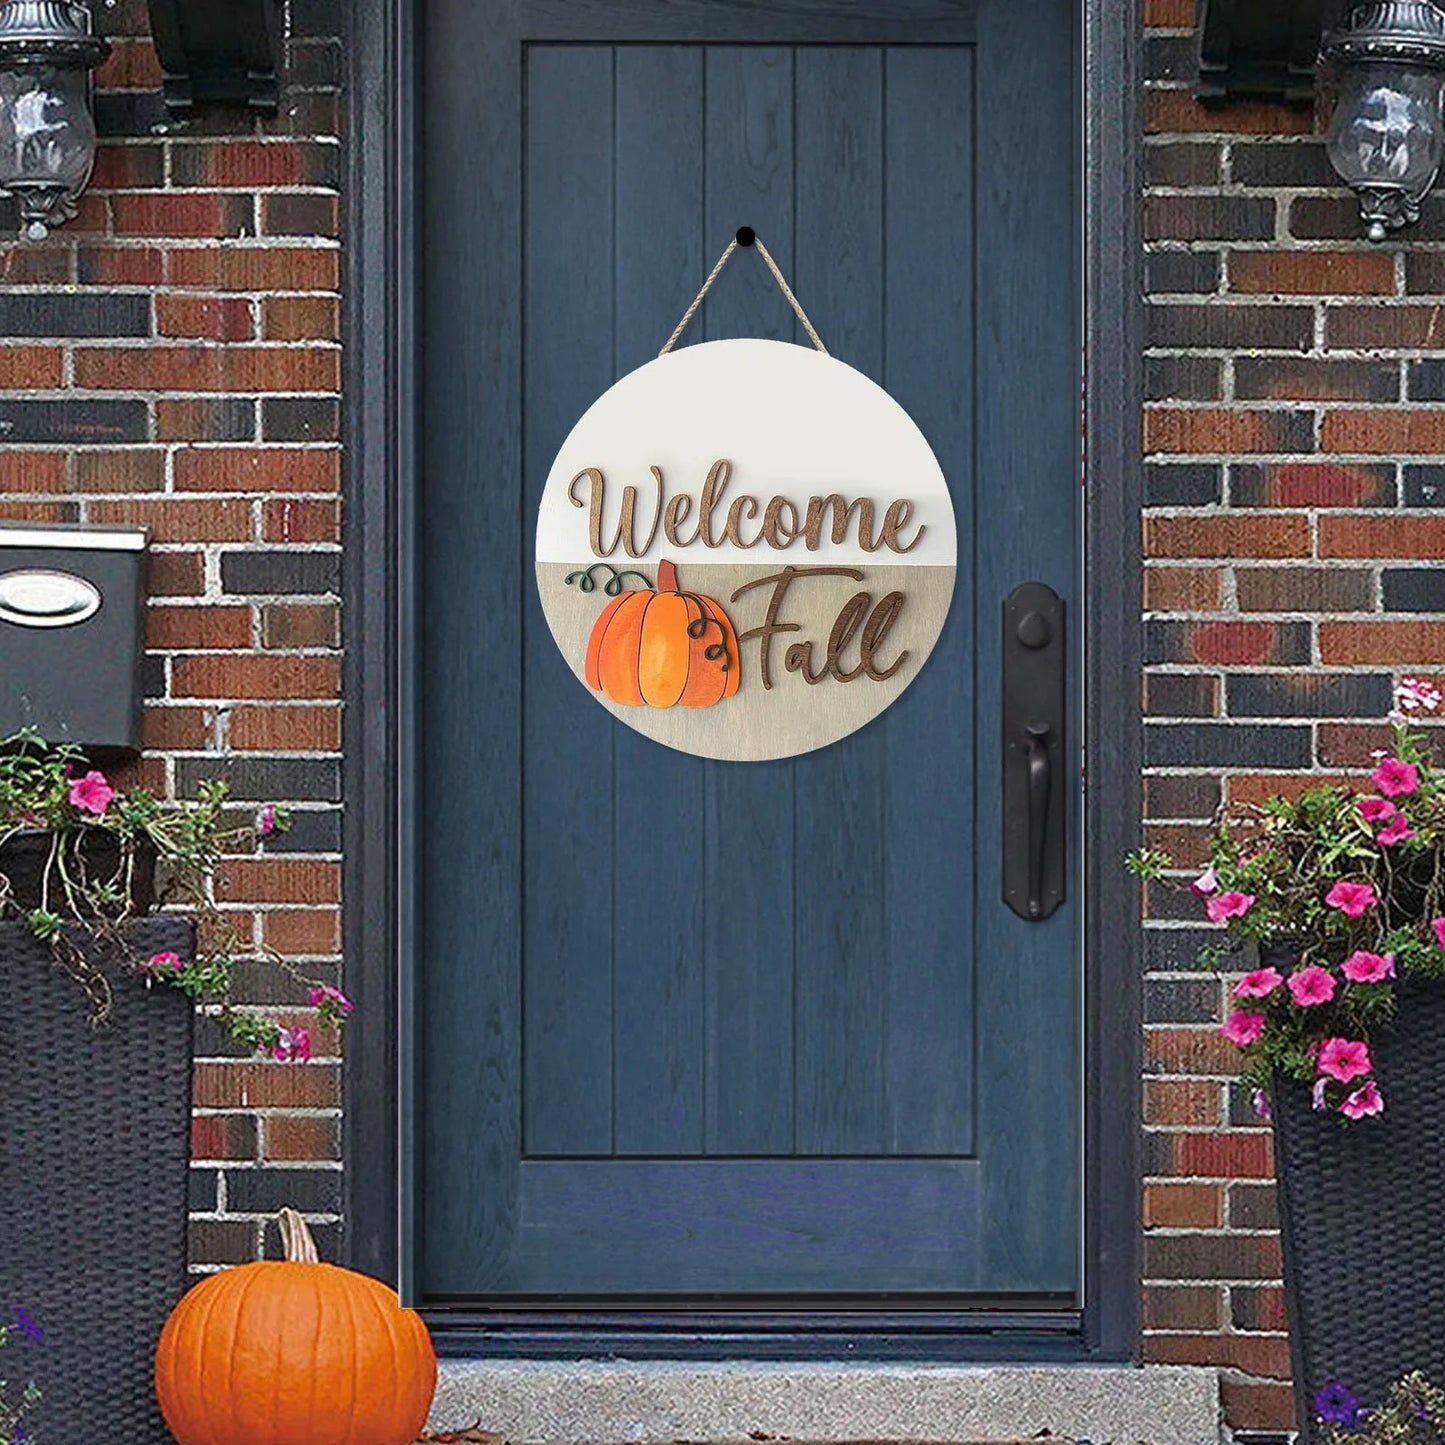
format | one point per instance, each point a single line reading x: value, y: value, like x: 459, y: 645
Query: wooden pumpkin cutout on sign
x: 294, y: 1352
x: 663, y: 647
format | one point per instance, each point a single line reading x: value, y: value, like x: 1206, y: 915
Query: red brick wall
x: 170, y: 357
x: 1296, y: 451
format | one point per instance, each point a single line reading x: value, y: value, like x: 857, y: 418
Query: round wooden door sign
x: 746, y: 549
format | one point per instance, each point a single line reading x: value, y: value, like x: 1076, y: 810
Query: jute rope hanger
x: 745, y: 237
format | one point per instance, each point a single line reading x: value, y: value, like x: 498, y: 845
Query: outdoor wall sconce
x: 218, y: 50
x: 1387, y: 137
x: 47, y: 131
x: 1260, y: 47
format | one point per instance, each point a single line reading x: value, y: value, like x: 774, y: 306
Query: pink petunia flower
x: 1344, y: 1059
x: 1259, y: 984
x: 159, y: 961
x: 293, y: 1045
x: 1365, y: 1100
x: 1395, y: 778
x: 1438, y: 924
x: 1376, y: 810
x: 1242, y: 1027
x: 1352, y: 899
x: 1311, y: 986
x: 1395, y: 831
x: 1206, y: 883
x: 266, y: 820
x: 92, y: 793
x: 1228, y: 905
x: 1362, y: 967
x: 1417, y: 693
x: 324, y: 993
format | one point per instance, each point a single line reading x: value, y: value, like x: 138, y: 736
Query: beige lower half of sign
x: 791, y: 715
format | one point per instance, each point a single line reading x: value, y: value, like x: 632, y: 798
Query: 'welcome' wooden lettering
x: 782, y: 524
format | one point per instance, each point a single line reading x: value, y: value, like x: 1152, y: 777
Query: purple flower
x: 1261, y: 1105
x: 25, y: 1323
x: 266, y: 822
x: 1337, y: 1405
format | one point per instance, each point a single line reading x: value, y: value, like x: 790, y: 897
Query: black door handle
x: 1034, y: 809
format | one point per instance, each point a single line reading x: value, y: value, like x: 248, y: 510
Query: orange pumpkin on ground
x: 294, y: 1352
x: 665, y: 648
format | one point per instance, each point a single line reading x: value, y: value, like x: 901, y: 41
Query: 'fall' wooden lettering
x: 799, y: 656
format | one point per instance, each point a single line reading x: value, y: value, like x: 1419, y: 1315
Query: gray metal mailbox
x: 72, y: 602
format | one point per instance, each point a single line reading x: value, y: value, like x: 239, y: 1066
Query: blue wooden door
x: 716, y: 1030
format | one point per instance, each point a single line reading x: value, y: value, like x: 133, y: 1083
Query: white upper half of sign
x: 790, y: 423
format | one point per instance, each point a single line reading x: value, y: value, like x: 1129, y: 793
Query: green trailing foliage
x: 99, y: 844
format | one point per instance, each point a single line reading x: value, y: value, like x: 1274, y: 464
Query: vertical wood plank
x: 568, y: 758
x: 842, y: 949
x: 930, y: 734
x: 658, y: 839
x: 1029, y: 497
x: 749, y: 851
x: 470, y: 879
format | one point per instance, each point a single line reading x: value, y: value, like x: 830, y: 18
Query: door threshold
x: 917, y: 1334
x: 656, y: 1403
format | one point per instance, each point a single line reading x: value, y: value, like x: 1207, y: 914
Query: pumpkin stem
x: 667, y: 577
x: 296, y: 1238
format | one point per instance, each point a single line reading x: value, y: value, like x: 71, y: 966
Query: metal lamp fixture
x: 1387, y: 138
x: 47, y: 132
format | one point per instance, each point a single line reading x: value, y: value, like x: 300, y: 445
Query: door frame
x: 381, y: 758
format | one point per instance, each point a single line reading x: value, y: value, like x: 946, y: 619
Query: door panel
x: 746, y: 1029
x: 769, y: 935
x: 796, y: 1226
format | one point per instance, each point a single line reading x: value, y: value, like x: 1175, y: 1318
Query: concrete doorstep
x: 658, y: 1403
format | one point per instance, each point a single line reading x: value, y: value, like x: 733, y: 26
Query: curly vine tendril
x: 698, y: 627
x: 612, y: 587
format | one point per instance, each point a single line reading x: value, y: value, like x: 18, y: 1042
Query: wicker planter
x: 94, y: 1157
x: 1362, y: 1218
